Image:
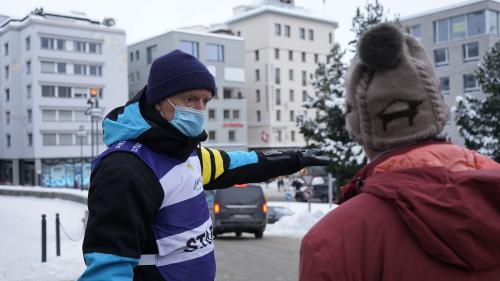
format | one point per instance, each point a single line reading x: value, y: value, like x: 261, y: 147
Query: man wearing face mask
x: 148, y: 218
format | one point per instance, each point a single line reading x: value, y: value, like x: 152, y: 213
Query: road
x: 269, y: 259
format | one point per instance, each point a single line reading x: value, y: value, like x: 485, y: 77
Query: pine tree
x: 327, y: 129
x: 479, y: 119
x: 361, y: 21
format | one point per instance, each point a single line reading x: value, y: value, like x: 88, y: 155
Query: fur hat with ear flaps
x: 393, y: 95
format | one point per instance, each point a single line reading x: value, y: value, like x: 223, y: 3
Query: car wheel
x: 238, y: 234
x: 259, y: 234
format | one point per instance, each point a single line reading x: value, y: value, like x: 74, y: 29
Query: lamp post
x: 81, y: 134
x: 95, y: 115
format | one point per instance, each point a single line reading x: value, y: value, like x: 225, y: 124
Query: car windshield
x: 240, y: 195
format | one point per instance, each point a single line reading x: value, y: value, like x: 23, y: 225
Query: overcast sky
x: 146, y: 18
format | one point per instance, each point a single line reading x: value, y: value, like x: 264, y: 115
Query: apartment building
x: 54, y: 68
x: 457, y: 37
x: 283, y: 45
x: 224, y: 57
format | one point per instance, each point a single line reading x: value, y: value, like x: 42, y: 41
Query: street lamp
x: 95, y: 115
x: 82, y: 133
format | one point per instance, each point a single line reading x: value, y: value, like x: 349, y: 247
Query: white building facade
x: 53, y: 68
x: 223, y: 55
x: 283, y: 45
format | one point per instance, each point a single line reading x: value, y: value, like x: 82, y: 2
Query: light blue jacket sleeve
x: 105, y: 267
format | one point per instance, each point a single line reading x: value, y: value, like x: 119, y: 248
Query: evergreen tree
x: 374, y: 13
x: 327, y: 129
x: 479, y: 119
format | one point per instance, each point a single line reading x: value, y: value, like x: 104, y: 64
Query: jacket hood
x: 453, y: 215
x: 136, y: 120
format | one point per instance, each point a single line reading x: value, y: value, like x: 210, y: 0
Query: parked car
x: 238, y: 209
x: 318, y: 192
x: 275, y: 213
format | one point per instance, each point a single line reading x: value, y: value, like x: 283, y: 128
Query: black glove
x: 312, y: 158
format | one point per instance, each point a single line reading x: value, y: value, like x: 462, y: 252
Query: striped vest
x: 182, y: 226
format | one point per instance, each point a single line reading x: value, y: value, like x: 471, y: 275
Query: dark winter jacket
x: 424, y: 212
x: 145, y: 197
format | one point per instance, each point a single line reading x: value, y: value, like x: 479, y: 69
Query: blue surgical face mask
x: 187, y: 120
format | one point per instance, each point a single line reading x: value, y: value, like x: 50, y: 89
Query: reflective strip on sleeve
x: 207, y: 168
x: 219, y: 164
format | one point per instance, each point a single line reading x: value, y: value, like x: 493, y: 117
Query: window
x: 61, y: 67
x: 470, y: 83
x: 471, y: 51
x: 6, y: 49
x: 48, y: 115
x: 231, y: 135
x: 227, y: 113
x: 445, y: 84
x: 441, y: 56
x: 27, y: 43
x: 7, y: 117
x: 416, y: 31
x: 441, y: 31
x: 316, y: 58
x: 48, y: 67
x: 257, y: 95
x: 287, y: 31
x: 277, y: 78
x: 304, y: 78
x: 29, y: 115
x: 65, y: 115
x: 304, y: 96
x: 64, y: 92
x: 236, y: 114
x: 492, y: 27
x: 278, y: 115
x: 48, y: 91
x: 278, y: 96
x: 211, y: 114
x: 278, y: 135
x: 28, y: 91
x: 151, y: 54
x: 256, y: 55
x: 238, y: 33
x: 61, y: 44
x: 303, y: 56
x: 311, y: 34
x: 65, y: 139
x: 226, y: 93
x: 211, y: 136
x: 81, y: 116
x: 458, y: 27
x: 290, y: 55
x: 80, y: 46
x: 7, y: 72
x: 257, y: 75
x: 7, y: 94
x: 8, y: 142
x: 277, y: 54
x: 131, y: 56
x: 49, y: 139
x: 189, y: 47
x: 47, y: 43
x: 28, y: 67
x: 30, y: 139
x: 292, y: 116
x: 258, y: 115
x: 330, y: 37
x: 136, y: 54
x: 80, y: 69
x: 302, y: 33
x: 292, y: 95
x: 277, y: 29
x: 215, y: 52
x: 290, y: 74
x: 95, y: 70
x: 476, y: 23
x: 94, y: 48
x: 292, y: 135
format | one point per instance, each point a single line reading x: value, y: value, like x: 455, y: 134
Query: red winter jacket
x: 427, y: 212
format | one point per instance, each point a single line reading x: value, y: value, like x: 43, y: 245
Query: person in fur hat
x: 423, y: 208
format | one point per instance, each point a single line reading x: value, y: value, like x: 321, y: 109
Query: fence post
x: 44, y: 239
x: 58, y: 237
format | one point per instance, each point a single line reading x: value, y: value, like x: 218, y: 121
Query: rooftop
x: 446, y: 8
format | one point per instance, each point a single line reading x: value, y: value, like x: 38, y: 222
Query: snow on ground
x: 300, y: 222
x: 20, y: 236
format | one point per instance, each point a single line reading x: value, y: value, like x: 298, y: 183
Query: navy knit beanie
x: 174, y: 73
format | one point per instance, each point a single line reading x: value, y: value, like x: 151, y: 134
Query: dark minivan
x: 241, y: 208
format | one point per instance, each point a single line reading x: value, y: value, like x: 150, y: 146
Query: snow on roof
x: 193, y: 32
x: 445, y: 8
